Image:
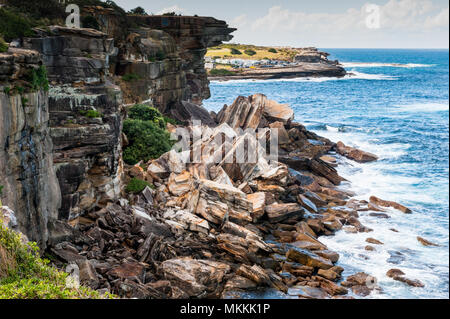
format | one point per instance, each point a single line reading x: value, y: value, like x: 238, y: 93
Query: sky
x: 323, y: 24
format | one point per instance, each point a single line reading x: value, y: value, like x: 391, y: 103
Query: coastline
x: 303, y: 70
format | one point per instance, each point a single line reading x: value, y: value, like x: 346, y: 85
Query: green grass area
x: 25, y: 275
x: 136, y: 186
x: 251, y: 52
x: 92, y: 114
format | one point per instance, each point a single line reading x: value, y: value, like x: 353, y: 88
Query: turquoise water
x: 396, y: 105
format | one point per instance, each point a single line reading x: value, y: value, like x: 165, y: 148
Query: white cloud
x: 406, y: 15
x: 438, y: 21
x: 240, y: 21
x: 176, y: 9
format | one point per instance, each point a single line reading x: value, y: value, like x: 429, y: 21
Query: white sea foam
x: 382, y: 180
x: 380, y: 65
x: 423, y: 107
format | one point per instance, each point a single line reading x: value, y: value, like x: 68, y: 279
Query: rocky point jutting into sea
x: 212, y: 229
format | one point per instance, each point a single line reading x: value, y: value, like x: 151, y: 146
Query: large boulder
x: 195, y: 277
x: 217, y: 202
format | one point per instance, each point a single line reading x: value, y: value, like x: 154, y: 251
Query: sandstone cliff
x: 30, y: 185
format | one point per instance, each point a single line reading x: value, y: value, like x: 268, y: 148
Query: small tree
x: 138, y: 11
x: 235, y: 51
x: 272, y: 50
x: 250, y: 52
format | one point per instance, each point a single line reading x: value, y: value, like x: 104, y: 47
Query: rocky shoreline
x: 310, y: 70
x: 214, y: 231
x: 309, y: 62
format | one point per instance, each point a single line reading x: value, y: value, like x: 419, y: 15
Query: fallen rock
x: 308, y: 292
x: 308, y: 258
x: 88, y: 275
x: 374, y: 241
x: 274, y: 111
x: 279, y: 212
x: 216, y: 202
x: 355, y: 154
x: 426, y: 243
x: 384, y: 203
x: 254, y: 273
x: 180, y: 184
x: 128, y: 270
x: 195, y: 277
x: 190, y: 221
x: 399, y: 275
x: 258, y: 201
x: 328, y: 274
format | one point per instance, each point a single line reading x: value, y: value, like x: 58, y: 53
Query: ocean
x: 395, y: 105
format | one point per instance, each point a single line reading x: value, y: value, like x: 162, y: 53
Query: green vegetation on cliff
x: 14, y: 25
x: 25, y: 275
x: 147, y: 135
x: 136, y: 186
x: 3, y: 45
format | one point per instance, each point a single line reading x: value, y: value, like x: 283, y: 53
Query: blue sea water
x: 396, y: 105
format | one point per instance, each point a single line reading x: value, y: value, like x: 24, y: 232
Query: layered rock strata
x: 85, y: 116
x: 30, y: 186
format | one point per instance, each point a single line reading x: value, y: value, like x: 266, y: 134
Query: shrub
x: 7, y: 90
x: 147, y: 113
x: 50, y: 9
x: 235, y: 51
x: 92, y: 114
x: 25, y: 275
x: 138, y: 11
x: 3, y: 45
x: 272, y: 50
x: 221, y: 72
x: 136, y: 186
x: 250, y: 52
x: 13, y: 25
x: 39, y: 79
x: 90, y: 22
x: 131, y: 77
x: 160, y: 56
x: 147, y: 140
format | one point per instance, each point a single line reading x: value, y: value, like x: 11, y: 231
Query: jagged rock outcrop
x: 26, y: 165
x: 167, y: 52
x: 85, y: 116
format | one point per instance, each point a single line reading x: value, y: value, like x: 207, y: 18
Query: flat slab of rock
x: 308, y: 258
x: 194, y: 276
x: 355, y: 154
x: 384, y: 203
x: 277, y: 112
x: 308, y: 292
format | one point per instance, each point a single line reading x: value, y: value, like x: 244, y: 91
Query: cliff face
x: 193, y: 35
x: 85, y: 116
x: 167, y: 52
x: 61, y: 152
x: 30, y: 185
